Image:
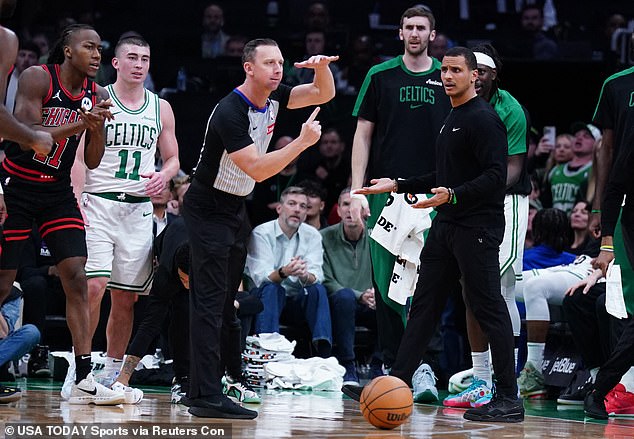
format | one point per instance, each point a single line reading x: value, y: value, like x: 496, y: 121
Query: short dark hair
x: 419, y: 11
x: 133, y: 39
x: 313, y: 189
x: 31, y: 47
x: 466, y: 53
x: 552, y: 228
x: 248, y: 54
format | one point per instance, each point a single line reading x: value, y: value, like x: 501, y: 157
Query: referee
x: 464, y: 239
x: 232, y: 159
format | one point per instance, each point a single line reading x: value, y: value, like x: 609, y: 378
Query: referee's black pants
x: 452, y: 251
x: 218, y: 230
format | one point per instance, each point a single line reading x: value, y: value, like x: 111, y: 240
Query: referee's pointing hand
x: 311, y: 130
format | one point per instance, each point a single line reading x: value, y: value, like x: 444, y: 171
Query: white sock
x: 628, y: 380
x: 593, y: 373
x: 535, y: 354
x: 482, y: 366
x: 516, y: 352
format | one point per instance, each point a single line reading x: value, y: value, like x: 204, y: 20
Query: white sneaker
x: 132, y: 395
x: 424, y: 384
x: 106, y: 377
x: 460, y: 381
x: 88, y: 391
x: 69, y: 381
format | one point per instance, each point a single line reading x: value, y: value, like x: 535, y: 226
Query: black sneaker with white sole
x: 577, y: 390
x: 594, y: 406
x: 219, y: 407
x: 352, y: 391
x: 500, y: 409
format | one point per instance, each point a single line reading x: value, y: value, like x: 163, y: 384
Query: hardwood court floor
x: 284, y: 414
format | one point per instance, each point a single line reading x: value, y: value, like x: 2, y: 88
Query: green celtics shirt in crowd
x: 568, y: 186
x: 407, y: 109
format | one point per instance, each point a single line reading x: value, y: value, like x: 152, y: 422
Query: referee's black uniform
x: 218, y: 229
x: 464, y: 239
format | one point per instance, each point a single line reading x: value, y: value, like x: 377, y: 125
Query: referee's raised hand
x: 311, y: 130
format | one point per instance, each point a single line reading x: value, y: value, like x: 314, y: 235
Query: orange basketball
x: 386, y: 402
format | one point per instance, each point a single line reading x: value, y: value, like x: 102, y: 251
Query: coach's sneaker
x: 9, y: 394
x: 576, y: 392
x: 594, y: 406
x: 619, y: 402
x: 470, y: 396
x: 352, y: 392
x: 460, y: 381
x: 89, y: 391
x: 500, y: 409
x: 239, y: 391
x: 531, y: 382
x: 424, y: 384
x: 219, y: 407
x: 132, y: 395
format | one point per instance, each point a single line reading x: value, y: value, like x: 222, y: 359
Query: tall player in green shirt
x: 401, y: 107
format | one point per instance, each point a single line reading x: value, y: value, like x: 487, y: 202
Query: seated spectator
x: 348, y: 280
x: 531, y: 41
x: 284, y: 262
x: 568, y: 182
x: 213, y: 39
x: 583, y: 243
x: 362, y: 56
x: 235, y: 46
x: 14, y: 341
x: 328, y: 164
x: 316, y: 203
x: 551, y: 235
x: 28, y: 55
x: 439, y: 46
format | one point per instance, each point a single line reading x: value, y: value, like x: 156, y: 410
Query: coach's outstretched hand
x: 379, y: 186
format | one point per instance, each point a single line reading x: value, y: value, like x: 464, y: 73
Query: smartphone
x: 550, y: 132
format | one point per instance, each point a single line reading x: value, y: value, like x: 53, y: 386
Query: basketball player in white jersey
x: 116, y: 201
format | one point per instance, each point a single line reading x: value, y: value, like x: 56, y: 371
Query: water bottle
x: 181, y: 79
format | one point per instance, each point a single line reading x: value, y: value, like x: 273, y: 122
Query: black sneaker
x: 594, y: 406
x: 500, y: 409
x: 9, y: 394
x: 353, y: 392
x: 38, y: 365
x: 577, y: 390
x: 219, y: 407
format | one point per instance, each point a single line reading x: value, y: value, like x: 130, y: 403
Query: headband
x: 484, y: 59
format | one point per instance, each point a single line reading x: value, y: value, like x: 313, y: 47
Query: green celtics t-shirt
x: 568, y: 186
x: 408, y: 110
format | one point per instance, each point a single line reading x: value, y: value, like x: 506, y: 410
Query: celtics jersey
x: 407, y: 109
x: 131, y: 140
x: 568, y: 186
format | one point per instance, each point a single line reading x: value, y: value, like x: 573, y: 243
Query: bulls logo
x: 86, y: 103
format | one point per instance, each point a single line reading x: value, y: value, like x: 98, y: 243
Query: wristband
x: 364, y: 200
x: 281, y: 274
x: 595, y: 211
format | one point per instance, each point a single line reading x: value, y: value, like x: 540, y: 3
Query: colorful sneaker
x: 132, y: 395
x: 89, y: 391
x: 239, y: 391
x: 619, y: 402
x: 531, y: 382
x: 471, y: 395
x: 576, y: 391
x: 424, y: 384
x: 459, y: 382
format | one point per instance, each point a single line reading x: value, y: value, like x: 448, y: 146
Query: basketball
x: 386, y: 402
